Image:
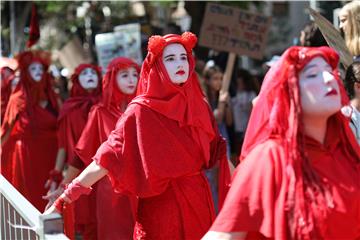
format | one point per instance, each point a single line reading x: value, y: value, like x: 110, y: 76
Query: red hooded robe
x: 71, y: 122
x: 32, y: 145
x: 7, y: 75
x: 270, y: 192
x: 160, y: 147
x: 115, y: 215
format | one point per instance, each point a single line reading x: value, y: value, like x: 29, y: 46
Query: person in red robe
x: 160, y: 147
x: 28, y: 132
x: 299, y: 176
x: 115, y: 215
x: 7, y: 75
x: 85, y: 92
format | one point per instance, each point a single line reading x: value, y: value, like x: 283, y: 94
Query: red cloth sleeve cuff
x: 107, y: 158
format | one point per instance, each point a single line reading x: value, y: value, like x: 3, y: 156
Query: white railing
x: 21, y: 220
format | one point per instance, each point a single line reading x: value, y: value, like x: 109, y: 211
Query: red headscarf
x: 79, y: 97
x: 28, y: 92
x: 112, y: 96
x: 101, y: 122
x: 185, y: 104
x: 277, y: 112
x: 75, y: 110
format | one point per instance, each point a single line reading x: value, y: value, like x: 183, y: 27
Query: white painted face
x: 36, y: 71
x: 176, y: 63
x: 88, y: 79
x: 127, y: 79
x: 319, y: 90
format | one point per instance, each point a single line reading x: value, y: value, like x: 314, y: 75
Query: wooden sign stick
x: 228, y: 72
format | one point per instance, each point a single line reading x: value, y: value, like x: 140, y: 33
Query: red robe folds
x: 160, y: 147
x: 32, y: 145
x: 114, y: 211
x: 7, y: 75
x: 71, y: 122
x: 271, y: 195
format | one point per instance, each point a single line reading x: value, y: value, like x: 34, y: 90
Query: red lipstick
x: 180, y: 72
x: 332, y: 92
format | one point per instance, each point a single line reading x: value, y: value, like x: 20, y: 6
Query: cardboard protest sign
x: 332, y: 37
x: 234, y: 30
x: 73, y: 54
x: 125, y: 41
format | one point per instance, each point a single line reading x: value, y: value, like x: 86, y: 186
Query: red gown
x: 71, y: 122
x: 273, y: 193
x: 6, y: 79
x: 256, y: 200
x: 32, y: 145
x: 114, y: 211
x: 160, y: 147
x: 167, y: 174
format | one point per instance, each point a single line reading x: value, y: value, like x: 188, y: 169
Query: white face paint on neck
x: 127, y: 79
x: 176, y: 63
x: 36, y: 71
x: 88, y: 79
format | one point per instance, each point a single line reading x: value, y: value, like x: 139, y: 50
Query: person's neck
x: 356, y: 103
x: 315, y: 127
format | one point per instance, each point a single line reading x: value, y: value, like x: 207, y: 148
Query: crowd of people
x: 160, y: 151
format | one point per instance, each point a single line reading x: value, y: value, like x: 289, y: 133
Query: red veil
x: 28, y: 92
x: 185, y: 104
x: 74, y: 112
x: 103, y: 116
x: 277, y: 112
x: 32, y: 145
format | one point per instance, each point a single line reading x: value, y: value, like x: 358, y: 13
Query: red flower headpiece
x: 157, y: 43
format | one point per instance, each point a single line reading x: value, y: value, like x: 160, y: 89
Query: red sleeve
x: 91, y: 137
x: 250, y: 205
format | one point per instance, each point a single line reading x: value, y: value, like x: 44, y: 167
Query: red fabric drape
x: 34, y: 33
x: 115, y: 212
x: 7, y: 75
x: 74, y: 112
x: 71, y: 122
x: 269, y: 187
x: 32, y: 145
x: 159, y: 148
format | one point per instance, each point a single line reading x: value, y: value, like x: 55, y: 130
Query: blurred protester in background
x: 221, y: 107
x: 352, y: 84
x: 28, y: 132
x: 85, y: 92
x: 7, y: 76
x: 247, y: 90
x: 349, y: 18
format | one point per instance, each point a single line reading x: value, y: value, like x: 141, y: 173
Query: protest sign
x: 125, y: 41
x: 73, y: 54
x: 234, y: 30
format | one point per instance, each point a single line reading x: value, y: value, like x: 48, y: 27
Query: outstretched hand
x: 51, y: 196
